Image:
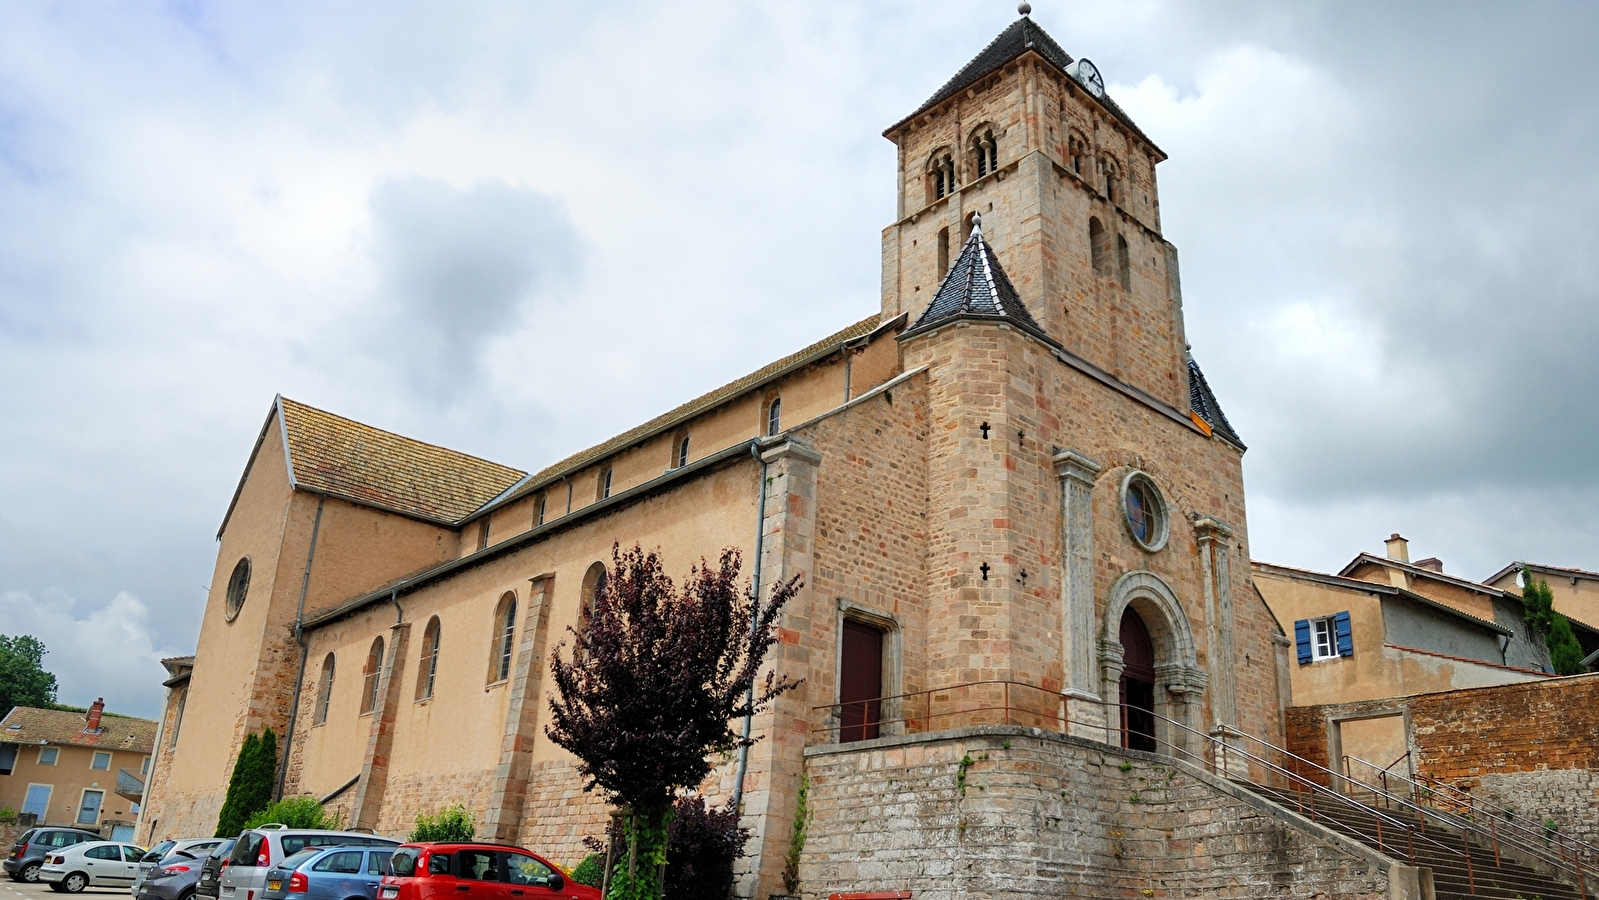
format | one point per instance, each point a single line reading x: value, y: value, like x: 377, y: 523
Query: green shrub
x: 452, y: 823
x: 296, y: 812
x: 591, y: 871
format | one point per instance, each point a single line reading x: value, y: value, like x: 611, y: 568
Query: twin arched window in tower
x: 985, y: 153
x: 1109, y: 258
x: 943, y: 175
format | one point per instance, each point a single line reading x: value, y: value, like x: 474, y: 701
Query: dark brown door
x: 860, y: 688
x: 1138, y: 684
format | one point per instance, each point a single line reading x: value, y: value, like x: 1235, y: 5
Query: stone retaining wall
x: 1004, y: 812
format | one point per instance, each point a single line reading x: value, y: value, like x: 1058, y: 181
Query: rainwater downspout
x: 737, y: 800
x: 299, y: 638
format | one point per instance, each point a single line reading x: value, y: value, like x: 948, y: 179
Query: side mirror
x: 555, y: 882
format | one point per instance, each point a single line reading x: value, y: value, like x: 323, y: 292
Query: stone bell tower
x: 1065, y: 182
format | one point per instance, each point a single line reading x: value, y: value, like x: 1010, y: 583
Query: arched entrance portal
x: 1137, y: 683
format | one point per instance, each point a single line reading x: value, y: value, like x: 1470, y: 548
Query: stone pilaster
x: 777, y: 761
x: 380, y: 740
x: 1084, y: 707
x: 1214, y: 539
x: 503, y: 821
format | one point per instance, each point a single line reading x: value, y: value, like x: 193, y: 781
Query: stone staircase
x: 1438, y: 847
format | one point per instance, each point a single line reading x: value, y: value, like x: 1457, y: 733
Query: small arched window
x: 985, y: 153
x: 428, y: 669
x: 504, y: 638
x: 1098, y: 246
x: 538, y: 511
x: 943, y: 251
x: 682, y: 452
x: 940, y: 176
x: 1110, y: 180
x: 324, y: 691
x: 774, y: 417
x: 603, y: 488
x: 1076, y: 153
x: 371, y: 676
x: 1124, y: 264
x: 593, y: 588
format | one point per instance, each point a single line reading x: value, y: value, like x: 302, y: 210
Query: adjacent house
x: 66, y: 767
x: 1576, y: 594
x: 1361, y: 640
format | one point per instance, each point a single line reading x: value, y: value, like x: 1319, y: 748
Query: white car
x: 93, y: 864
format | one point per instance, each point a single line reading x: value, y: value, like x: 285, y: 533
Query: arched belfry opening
x: 1149, y: 667
x: 1137, y: 694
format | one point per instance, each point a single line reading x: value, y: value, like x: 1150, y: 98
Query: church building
x: 1015, y: 503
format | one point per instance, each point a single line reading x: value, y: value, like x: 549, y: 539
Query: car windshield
x: 297, y: 860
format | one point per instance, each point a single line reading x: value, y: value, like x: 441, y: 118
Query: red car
x: 474, y: 871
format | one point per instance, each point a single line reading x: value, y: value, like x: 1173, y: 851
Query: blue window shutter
x: 1302, y: 640
x: 1346, y: 643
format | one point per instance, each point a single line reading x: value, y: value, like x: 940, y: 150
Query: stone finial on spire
x: 1024, y: 7
x: 977, y: 221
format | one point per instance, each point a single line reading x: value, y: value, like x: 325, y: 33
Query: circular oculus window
x: 238, y: 587
x: 1144, y: 510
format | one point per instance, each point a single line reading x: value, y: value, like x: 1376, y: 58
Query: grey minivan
x: 260, y: 849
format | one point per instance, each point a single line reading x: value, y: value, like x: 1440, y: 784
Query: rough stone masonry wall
x: 1528, y: 747
x: 1013, y: 813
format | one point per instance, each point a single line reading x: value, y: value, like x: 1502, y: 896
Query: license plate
x: 388, y: 893
x: 274, y: 885
x: 227, y: 890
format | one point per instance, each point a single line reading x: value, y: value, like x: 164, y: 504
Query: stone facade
x: 1016, y: 813
x: 960, y: 488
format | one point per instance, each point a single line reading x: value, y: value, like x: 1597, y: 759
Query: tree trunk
x: 646, y: 856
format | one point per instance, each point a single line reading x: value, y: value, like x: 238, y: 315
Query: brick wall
x: 1007, y: 813
x: 1528, y: 746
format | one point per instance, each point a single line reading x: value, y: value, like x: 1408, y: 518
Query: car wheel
x: 53, y: 885
x: 75, y: 883
x: 30, y: 873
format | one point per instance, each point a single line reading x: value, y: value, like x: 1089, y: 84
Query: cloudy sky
x: 517, y: 228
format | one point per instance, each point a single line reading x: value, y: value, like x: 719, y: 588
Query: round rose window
x: 1145, y: 510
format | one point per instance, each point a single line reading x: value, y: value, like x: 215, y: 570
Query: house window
x: 37, y: 800
x: 504, y: 638
x: 49, y: 755
x: 428, y: 669
x: 101, y: 762
x: 538, y: 512
x: 1328, y: 637
x: 774, y: 417
x: 369, y: 684
x: 325, y: 692
x: 238, y: 587
x: 682, y: 452
x: 8, y: 758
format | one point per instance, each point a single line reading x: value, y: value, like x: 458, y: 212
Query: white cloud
x: 111, y: 652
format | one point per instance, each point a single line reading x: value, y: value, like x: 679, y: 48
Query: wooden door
x: 1137, y: 684
x: 860, y: 688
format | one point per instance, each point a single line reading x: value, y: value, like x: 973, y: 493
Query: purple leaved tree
x: 655, y: 680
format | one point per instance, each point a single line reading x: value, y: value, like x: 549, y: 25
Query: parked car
x: 28, y: 854
x: 191, y: 848
x: 329, y: 873
x: 91, y: 864
x: 262, y: 848
x: 174, y: 878
x: 211, y: 869
x: 473, y: 871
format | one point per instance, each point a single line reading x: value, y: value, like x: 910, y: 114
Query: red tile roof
x: 29, y: 725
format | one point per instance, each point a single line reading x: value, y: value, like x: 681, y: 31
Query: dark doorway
x: 860, y: 689
x: 1138, y: 684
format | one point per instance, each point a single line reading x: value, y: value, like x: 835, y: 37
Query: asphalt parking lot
x: 12, y: 890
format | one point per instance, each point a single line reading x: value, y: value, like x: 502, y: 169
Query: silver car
x: 194, y: 847
x: 259, y: 849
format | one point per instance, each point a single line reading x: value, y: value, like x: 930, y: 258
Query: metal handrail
x: 1497, y: 825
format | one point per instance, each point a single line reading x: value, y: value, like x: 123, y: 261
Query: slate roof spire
x: 976, y: 288
x: 1203, y: 402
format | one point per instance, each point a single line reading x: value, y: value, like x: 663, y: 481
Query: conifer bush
x: 250, y: 788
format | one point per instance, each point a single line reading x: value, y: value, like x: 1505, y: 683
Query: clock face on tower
x: 1087, y: 74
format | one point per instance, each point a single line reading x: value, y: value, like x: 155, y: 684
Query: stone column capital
x: 791, y: 449
x: 1076, y: 466
x: 1209, y: 528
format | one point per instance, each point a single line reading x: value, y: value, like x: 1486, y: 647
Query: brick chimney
x: 95, y: 709
x: 1431, y: 564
